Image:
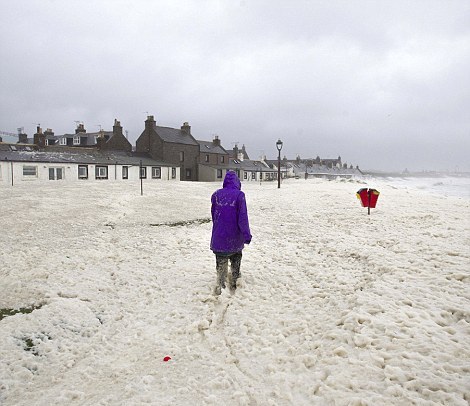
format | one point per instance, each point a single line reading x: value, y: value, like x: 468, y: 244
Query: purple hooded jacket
x: 230, y: 227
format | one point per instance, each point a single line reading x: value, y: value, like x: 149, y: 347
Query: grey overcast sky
x: 383, y: 83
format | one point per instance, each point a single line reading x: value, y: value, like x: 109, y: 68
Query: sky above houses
x: 384, y: 84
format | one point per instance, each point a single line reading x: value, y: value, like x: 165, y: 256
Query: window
x: 260, y: 175
x: 82, y: 171
x: 47, y: 142
x: 173, y: 173
x: 125, y: 172
x: 30, y: 171
x: 101, y: 172
x: 156, y: 172
x: 207, y: 158
x: 222, y: 159
x: 188, y: 173
x: 253, y: 175
x: 245, y: 175
x: 143, y: 172
x: 181, y: 156
x: 76, y: 140
x: 219, y: 173
x: 63, y: 141
x: 56, y: 173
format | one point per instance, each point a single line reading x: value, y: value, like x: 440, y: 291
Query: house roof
x: 174, y: 135
x: 90, y: 137
x: 209, y: 147
x: 249, y: 165
x: 26, y: 153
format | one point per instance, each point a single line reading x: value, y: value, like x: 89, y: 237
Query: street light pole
x: 279, y: 147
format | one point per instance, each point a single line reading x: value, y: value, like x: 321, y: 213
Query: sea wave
x: 457, y: 186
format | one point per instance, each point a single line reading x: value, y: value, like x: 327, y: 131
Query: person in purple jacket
x: 230, y: 230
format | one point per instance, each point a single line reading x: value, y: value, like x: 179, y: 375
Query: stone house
x: 213, y: 160
x: 175, y: 146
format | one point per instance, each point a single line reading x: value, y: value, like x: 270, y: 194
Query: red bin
x: 368, y: 197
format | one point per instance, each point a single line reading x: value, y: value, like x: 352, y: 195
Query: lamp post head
x: 279, y: 145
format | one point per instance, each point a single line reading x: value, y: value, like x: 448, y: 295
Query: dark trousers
x: 222, y: 267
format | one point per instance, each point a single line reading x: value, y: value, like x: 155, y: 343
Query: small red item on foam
x: 166, y: 359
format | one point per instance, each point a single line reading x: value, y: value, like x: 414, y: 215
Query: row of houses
x: 161, y: 153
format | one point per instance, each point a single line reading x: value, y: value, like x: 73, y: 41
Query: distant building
x: 105, y: 155
x: 23, y: 162
x: 175, y: 146
x: 103, y: 140
x: 213, y: 160
x: 249, y: 170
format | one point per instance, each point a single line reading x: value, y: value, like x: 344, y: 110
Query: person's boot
x: 221, y: 275
x: 232, y: 281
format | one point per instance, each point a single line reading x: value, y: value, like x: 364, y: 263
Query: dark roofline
x: 98, y: 158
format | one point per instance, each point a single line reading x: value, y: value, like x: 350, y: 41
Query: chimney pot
x: 22, y: 138
x: 186, y: 128
x: 216, y: 141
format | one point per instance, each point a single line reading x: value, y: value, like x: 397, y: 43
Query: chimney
x: 216, y: 141
x: 245, y: 155
x: 149, y: 128
x: 48, y: 132
x: 22, y: 138
x: 80, y: 129
x: 100, y: 142
x: 150, y: 122
x: 117, y: 129
x: 235, y: 152
x: 39, y: 138
x: 186, y: 128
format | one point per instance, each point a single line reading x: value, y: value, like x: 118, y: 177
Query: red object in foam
x: 368, y: 197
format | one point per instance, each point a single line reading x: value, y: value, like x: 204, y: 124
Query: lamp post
x: 279, y: 147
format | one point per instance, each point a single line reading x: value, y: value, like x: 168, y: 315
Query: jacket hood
x: 231, y: 181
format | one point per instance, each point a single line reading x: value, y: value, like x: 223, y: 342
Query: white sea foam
x: 335, y: 307
x: 457, y: 186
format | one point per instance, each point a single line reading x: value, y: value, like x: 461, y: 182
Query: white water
x: 335, y: 307
x: 445, y: 185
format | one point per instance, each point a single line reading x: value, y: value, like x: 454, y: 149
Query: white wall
x: 70, y: 172
x: 249, y: 176
x: 208, y: 174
